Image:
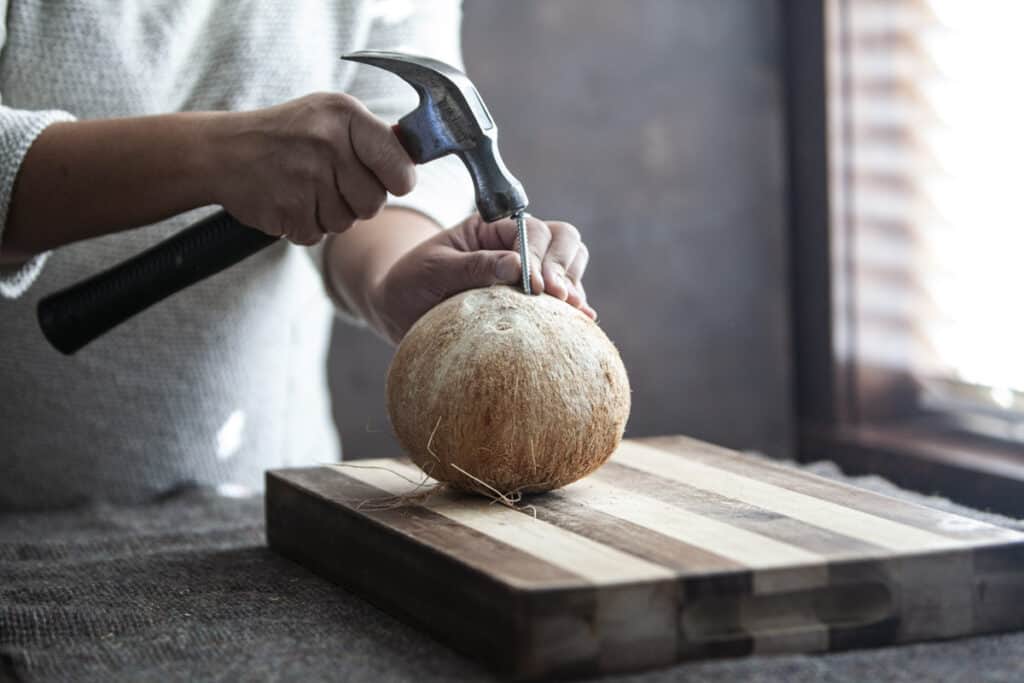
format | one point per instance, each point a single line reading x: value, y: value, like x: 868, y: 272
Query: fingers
x: 504, y: 234
x: 334, y: 213
x: 353, y: 191
x: 361, y: 191
x: 469, y: 270
x: 299, y: 222
x: 565, y: 242
x: 378, y: 149
x: 577, y: 296
x: 538, y: 241
x: 583, y: 305
x: 558, y: 256
x: 310, y: 166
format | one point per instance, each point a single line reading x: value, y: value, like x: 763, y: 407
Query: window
x: 905, y: 121
x: 926, y: 142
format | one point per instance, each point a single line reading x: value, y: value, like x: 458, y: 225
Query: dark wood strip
x: 411, y: 581
x: 736, y: 513
x: 927, y: 519
x: 999, y: 587
x: 695, y: 643
x: 558, y: 509
x: 434, y: 530
x: 869, y: 620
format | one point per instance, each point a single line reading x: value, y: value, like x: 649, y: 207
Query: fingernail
x: 507, y: 269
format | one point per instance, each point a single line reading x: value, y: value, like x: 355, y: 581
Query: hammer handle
x: 73, y: 317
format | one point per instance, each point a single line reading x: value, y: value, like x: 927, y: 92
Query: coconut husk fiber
x: 501, y: 393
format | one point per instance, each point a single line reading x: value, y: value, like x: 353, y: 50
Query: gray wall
x: 654, y: 126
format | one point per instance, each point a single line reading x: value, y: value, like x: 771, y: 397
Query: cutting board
x: 676, y: 549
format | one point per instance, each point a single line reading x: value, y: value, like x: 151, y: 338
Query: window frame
x: 893, y: 438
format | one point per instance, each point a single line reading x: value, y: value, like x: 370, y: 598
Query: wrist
x: 347, y: 281
x: 210, y: 154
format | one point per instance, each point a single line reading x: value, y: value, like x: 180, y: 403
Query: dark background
x: 655, y: 126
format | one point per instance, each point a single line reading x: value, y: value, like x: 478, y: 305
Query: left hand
x: 478, y: 254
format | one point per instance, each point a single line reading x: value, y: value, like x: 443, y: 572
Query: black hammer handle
x: 73, y: 317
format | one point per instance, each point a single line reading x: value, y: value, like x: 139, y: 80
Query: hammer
x: 451, y: 118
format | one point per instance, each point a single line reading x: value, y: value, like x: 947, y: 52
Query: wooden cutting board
x: 674, y: 550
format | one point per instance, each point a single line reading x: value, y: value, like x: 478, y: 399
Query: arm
x: 300, y: 170
x: 357, y: 260
x: 84, y: 179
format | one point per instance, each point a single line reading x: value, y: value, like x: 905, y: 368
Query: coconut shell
x: 523, y: 393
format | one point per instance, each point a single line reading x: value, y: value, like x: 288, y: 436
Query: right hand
x: 307, y: 167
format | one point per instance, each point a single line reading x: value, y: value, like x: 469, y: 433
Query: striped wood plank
x: 676, y: 549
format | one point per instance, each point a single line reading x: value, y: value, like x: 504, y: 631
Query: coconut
x: 501, y: 393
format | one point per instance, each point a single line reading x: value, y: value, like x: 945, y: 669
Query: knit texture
x: 225, y: 379
x: 18, y: 130
x: 186, y: 590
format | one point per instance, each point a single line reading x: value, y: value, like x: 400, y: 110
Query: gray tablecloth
x: 186, y: 589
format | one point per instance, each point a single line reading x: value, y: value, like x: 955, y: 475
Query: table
x: 186, y: 589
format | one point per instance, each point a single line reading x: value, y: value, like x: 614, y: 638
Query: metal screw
x: 524, y: 252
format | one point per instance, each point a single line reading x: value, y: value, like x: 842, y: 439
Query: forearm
x: 357, y: 260
x: 87, y: 178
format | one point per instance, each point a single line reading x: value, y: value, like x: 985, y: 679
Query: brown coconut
x: 498, y: 392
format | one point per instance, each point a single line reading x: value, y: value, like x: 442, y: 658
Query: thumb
x: 473, y: 269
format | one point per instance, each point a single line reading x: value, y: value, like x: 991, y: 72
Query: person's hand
x: 307, y: 167
x: 478, y: 254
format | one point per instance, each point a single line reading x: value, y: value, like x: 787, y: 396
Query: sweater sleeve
x: 18, y: 130
x: 444, y: 191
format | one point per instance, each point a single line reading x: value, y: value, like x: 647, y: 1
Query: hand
x: 478, y: 254
x: 307, y: 167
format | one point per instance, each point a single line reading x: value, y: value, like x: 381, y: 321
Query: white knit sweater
x: 227, y: 379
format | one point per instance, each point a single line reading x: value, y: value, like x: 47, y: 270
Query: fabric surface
x: 186, y: 590
x: 227, y: 378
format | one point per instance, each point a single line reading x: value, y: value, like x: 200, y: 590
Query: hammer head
x: 451, y: 118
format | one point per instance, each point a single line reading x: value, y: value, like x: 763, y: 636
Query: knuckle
x: 361, y: 197
x: 342, y: 221
x: 348, y: 217
x: 324, y: 135
x: 303, y: 167
x: 539, y: 228
x: 365, y: 210
x: 476, y: 269
x: 308, y: 236
x: 341, y: 100
x: 571, y: 231
x: 332, y: 103
x: 370, y: 206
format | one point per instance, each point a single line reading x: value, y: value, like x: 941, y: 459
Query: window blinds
x: 926, y: 128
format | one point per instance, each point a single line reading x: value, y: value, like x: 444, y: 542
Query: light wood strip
x: 651, y: 545
x: 768, y: 523
x: 822, y: 513
x: 749, y: 549
x: 871, y: 502
x: 594, y: 561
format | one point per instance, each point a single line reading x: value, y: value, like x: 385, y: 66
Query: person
x: 116, y: 115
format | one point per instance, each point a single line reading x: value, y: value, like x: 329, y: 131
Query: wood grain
x: 674, y: 550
